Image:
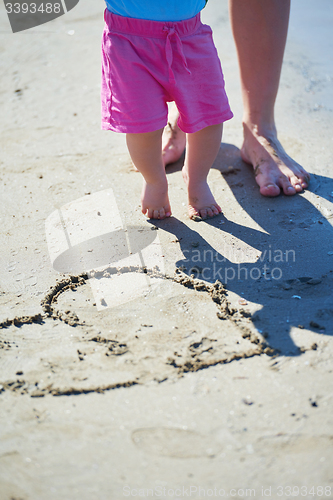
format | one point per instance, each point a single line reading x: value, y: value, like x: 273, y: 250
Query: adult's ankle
x: 259, y: 127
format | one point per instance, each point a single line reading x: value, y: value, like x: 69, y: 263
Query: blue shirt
x: 156, y: 10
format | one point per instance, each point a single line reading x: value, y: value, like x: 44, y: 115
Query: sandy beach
x: 161, y: 359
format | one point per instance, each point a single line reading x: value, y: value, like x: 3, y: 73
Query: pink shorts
x: 146, y: 64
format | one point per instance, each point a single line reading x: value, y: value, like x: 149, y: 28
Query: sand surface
x: 126, y: 370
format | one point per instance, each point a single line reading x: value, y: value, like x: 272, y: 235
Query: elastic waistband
x: 152, y: 29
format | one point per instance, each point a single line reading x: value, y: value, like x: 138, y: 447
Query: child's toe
x: 193, y: 212
x: 150, y: 213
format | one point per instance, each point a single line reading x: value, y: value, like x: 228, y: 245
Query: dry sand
x: 119, y: 371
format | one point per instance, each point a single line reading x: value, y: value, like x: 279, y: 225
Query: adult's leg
x: 146, y: 153
x: 174, y: 139
x: 260, y: 32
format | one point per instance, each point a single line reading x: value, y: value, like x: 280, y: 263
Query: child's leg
x: 146, y: 153
x: 201, y: 151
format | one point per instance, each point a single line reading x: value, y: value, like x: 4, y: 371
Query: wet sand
x: 165, y: 355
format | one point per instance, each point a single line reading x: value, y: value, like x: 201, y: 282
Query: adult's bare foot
x: 173, y: 139
x: 273, y: 168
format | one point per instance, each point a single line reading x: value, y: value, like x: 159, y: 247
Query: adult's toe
x: 296, y: 183
x: 270, y: 189
x: 287, y: 186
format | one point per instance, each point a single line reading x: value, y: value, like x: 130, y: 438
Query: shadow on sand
x: 292, y: 277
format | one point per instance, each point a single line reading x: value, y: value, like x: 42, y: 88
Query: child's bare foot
x: 155, y: 201
x: 201, y: 202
